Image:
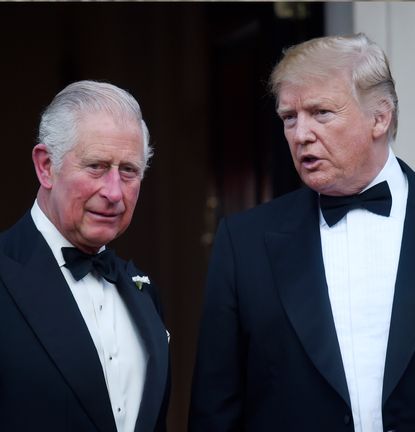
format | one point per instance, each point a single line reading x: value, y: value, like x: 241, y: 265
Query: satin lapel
x: 297, y: 262
x: 401, y: 342
x: 154, y: 335
x: 43, y: 297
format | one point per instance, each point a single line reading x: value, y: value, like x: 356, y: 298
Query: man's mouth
x: 309, y: 161
x: 104, y: 215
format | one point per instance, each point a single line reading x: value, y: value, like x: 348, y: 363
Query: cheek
x: 76, y: 204
x: 291, y: 145
x: 83, y: 191
x: 134, y: 192
x: 358, y: 147
x: 130, y: 197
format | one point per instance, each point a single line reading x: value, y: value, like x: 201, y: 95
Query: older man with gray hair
x: 83, y: 344
x: 309, y: 322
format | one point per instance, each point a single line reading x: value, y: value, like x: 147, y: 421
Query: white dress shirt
x: 117, y: 339
x: 361, y: 255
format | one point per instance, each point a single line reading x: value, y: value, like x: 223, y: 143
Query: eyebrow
x: 282, y: 111
x: 317, y: 103
x: 108, y: 160
x: 309, y: 105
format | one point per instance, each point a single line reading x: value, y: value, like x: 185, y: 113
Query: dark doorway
x: 200, y: 72
x: 251, y: 159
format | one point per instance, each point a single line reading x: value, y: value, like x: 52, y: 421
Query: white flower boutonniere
x: 140, y: 280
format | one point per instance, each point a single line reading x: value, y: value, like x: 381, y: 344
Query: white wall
x: 392, y: 26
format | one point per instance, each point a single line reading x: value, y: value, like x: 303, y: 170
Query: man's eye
x: 322, y: 113
x: 288, y: 120
x: 129, y: 171
x: 97, y: 167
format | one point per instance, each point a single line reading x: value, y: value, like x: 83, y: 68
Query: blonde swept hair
x: 355, y: 57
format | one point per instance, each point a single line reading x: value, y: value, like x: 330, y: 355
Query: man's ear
x: 43, y: 165
x: 383, y: 118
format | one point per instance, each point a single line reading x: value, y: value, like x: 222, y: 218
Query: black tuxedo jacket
x: 51, y: 379
x: 268, y: 356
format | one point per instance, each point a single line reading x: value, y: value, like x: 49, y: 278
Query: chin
x: 318, y: 184
x: 97, y: 241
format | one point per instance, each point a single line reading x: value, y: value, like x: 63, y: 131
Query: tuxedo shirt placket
x: 361, y: 255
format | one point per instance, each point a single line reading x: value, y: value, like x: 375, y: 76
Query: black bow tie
x: 377, y: 199
x: 80, y: 263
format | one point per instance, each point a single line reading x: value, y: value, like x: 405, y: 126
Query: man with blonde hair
x: 309, y: 321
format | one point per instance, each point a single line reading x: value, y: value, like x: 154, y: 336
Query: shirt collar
x: 53, y: 237
x: 389, y: 172
x: 393, y: 174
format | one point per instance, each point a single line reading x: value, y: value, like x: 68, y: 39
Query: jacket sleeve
x: 218, y: 381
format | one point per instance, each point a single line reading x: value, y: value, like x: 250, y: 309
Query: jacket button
x: 347, y: 418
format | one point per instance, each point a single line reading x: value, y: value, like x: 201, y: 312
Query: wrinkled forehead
x: 104, y: 132
x: 102, y: 123
x: 315, y: 86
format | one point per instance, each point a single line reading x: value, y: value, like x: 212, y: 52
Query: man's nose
x: 304, y: 130
x: 111, y: 188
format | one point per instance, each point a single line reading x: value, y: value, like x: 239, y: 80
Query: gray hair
x: 356, y: 57
x: 58, y: 129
